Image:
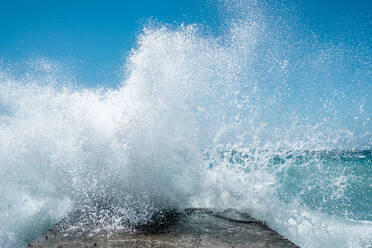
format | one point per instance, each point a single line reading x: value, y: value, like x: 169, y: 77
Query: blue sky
x: 94, y: 37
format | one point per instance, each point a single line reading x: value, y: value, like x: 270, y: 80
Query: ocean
x: 254, y: 118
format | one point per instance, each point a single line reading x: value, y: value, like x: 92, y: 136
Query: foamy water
x: 235, y: 120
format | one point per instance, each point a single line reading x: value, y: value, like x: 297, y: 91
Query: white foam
x: 142, y: 146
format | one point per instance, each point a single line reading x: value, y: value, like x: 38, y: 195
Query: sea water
x: 256, y: 118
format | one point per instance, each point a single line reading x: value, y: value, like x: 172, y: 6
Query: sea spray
x: 245, y: 119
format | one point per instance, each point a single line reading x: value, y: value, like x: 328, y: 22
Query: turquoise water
x: 337, y: 183
x: 320, y: 194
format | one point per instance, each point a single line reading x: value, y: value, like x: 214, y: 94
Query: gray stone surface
x: 190, y: 228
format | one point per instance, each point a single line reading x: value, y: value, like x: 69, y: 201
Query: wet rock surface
x: 189, y: 228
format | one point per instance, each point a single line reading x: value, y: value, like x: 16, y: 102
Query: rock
x: 189, y: 228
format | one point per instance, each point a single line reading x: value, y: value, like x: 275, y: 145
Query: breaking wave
x: 248, y: 119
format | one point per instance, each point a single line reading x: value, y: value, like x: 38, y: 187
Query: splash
x: 222, y: 121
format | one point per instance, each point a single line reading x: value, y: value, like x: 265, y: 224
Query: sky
x: 94, y: 37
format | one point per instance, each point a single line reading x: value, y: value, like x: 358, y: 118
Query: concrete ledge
x: 189, y: 228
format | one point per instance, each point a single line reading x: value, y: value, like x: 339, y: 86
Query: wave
x: 199, y: 121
